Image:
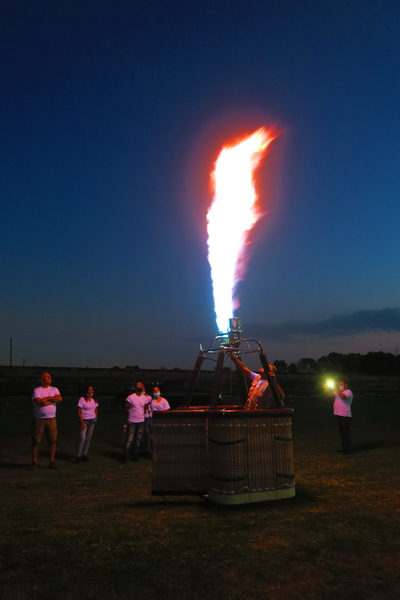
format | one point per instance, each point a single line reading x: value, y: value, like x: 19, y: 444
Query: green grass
x: 95, y: 531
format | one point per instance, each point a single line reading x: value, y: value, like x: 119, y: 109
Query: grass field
x: 95, y: 531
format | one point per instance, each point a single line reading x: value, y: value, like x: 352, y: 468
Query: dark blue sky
x: 112, y: 113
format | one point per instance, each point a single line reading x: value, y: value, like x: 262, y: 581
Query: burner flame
x: 231, y: 216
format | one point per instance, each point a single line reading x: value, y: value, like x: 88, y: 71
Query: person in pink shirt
x: 45, y: 399
x: 88, y: 413
x: 342, y: 399
x: 260, y: 394
x: 135, y: 406
x: 157, y: 403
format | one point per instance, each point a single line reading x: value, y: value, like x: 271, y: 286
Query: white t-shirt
x: 136, y: 407
x: 161, y: 405
x: 44, y: 412
x: 342, y: 408
x: 88, y: 408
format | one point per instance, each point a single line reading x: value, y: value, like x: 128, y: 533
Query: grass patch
x: 94, y: 530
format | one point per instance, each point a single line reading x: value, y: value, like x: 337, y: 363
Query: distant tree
x: 281, y: 366
x: 332, y: 362
x: 352, y: 363
x: 307, y: 365
x: 335, y: 364
x: 380, y: 363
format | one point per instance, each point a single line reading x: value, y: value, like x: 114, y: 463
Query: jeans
x: 134, y: 431
x: 85, y: 437
x: 344, y: 424
x: 146, y: 443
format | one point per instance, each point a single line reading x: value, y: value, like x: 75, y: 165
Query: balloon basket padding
x: 230, y: 456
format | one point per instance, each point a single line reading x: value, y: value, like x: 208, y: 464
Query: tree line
x: 372, y: 363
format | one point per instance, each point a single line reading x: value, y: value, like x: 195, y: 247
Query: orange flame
x: 231, y: 216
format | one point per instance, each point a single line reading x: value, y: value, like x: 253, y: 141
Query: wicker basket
x: 234, y: 456
x: 250, y: 456
x: 179, y: 452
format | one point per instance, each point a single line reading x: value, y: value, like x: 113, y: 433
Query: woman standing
x: 158, y: 402
x: 88, y: 413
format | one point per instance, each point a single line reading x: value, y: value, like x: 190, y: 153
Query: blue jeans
x: 85, y: 437
x: 134, y: 434
x: 145, y: 444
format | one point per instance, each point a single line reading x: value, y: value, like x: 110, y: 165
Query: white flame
x: 230, y: 217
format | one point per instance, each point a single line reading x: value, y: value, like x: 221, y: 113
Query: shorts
x: 42, y: 425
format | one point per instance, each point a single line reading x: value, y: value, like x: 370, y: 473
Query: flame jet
x: 233, y: 210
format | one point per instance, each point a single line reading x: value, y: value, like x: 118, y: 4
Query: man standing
x: 260, y: 394
x: 343, y: 398
x: 135, y: 407
x: 45, y: 400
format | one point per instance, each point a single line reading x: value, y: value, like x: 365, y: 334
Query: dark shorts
x: 42, y: 425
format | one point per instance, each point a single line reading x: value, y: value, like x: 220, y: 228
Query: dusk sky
x: 112, y: 115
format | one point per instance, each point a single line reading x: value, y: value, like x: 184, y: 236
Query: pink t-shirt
x: 88, y: 408
x: 44, y: 412
x: 342, y: 408
x: 136, y: 407
x: 161, y: 405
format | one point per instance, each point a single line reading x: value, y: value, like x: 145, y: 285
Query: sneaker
x: 78, y: 460
x: 33, y: 466
x: 84, y: 458
x: 52, y: 465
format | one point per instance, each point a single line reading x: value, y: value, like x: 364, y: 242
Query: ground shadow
x: 170, y: 501
x: 10, y: 465
x: 63, y: 456
x: 113, y: 454
x: 365, y: 447
x: 304, y: 497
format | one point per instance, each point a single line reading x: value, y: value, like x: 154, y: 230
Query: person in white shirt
x: 260, y: 394
x: 88, y: 413
x: 45, y: 399
x: 157, y: 403
x: 343, y: 398
x: 135, y: 407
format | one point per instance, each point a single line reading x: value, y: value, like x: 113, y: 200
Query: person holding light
x: 343, y: 398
